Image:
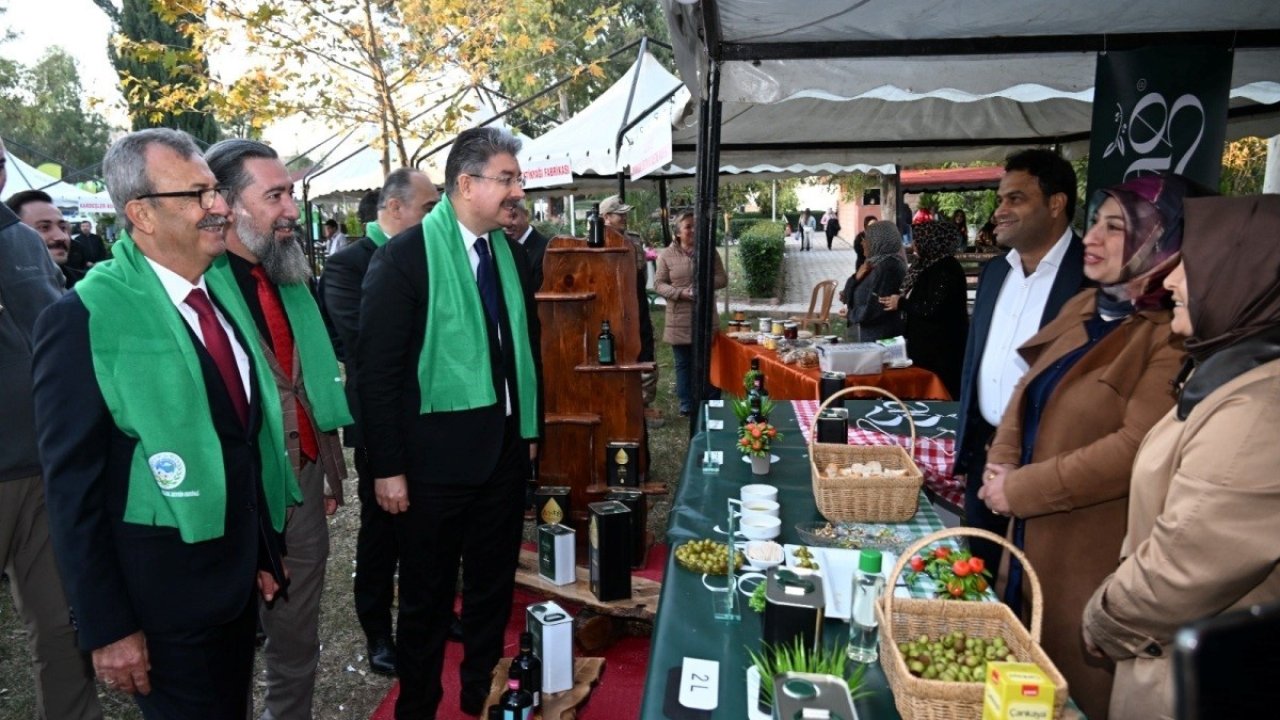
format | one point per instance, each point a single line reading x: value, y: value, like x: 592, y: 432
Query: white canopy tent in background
x: 912, y: 82
x: 66, y: 196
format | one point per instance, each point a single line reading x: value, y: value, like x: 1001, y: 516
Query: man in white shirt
x: 1017, y: 295
x: 335, y: 239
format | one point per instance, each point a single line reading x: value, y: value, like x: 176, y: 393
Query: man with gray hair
x: 406, y: 197
x: 29, y: 283
x: 163, y: 445
x: 273, y: 274
x: 451, y: 408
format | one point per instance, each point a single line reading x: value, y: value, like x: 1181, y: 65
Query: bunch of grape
x: 707, y: 556
x: 953, y: 657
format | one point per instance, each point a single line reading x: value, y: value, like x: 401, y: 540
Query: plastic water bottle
x: 864, y: 631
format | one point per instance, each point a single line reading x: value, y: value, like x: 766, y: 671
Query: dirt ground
x: 345, y: 689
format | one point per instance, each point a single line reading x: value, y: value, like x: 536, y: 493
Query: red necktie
x: 219, y: 347
x: 282, y: 341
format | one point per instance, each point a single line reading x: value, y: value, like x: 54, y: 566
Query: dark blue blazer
x: 123, y: 577
x: 974, y: 432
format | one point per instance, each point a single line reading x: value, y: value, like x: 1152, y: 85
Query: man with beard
x: 406, y: 197
x: 36, y: 209
x: 451, y: 408
x: 273, y: 275
x: 166, y: 477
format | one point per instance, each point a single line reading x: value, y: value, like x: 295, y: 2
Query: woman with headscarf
x: 1203, y: 537
x: 1099, y: 377
x: 882, y: 274
x: 934, y: 303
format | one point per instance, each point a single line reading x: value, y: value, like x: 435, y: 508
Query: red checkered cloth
x: 934, y: 456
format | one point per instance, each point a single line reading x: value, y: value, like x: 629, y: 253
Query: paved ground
x: 803, y: 270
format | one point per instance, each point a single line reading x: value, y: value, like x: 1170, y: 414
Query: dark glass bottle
x: 604, y: 344
x: 527, y: 668
x: 595, y: 227
x: 758, y: 396
x: 516, y: 703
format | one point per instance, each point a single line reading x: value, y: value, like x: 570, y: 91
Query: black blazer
x: 122, y: 577
x: 975, y: 432
x: 340, y: 283
x: 460, y: 447
x: 535, y: 247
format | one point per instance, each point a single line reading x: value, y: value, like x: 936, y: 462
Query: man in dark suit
x: 165, y: 471
x: 36, y: 209
x: 1018, y: 294
x: 533, y: 242
x: 451, y: 409
x: 406, y: 197
x: 92, y: 248
x: 274, y: 277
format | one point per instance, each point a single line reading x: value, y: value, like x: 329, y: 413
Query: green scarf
x: 150, y: 377
x: 319, y: 365
x: 375, y: 233
x: 454, y: 369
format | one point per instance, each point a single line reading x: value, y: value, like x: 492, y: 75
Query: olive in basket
x: 953, y: 657
x: 708, y: 557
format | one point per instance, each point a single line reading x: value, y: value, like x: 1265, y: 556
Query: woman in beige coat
x: 1100, y: 376
x: 675, y: 281
x: 1203, y: 535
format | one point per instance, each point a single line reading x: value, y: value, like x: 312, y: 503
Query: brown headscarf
x: 1231, y: 252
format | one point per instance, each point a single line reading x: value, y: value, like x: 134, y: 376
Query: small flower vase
x: 760, y: 464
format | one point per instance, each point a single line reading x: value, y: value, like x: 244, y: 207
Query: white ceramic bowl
x: 760, y: 563
x: 758, y: 491
x: 760, y: 527
x: 760, y: 507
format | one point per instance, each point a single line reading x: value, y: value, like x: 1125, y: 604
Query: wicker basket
x: 866, y: 499
x: 902, y: 619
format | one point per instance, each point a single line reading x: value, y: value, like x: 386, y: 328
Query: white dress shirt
x: 1016, y: 317
x: 178, y: 288
x: 469, y: 240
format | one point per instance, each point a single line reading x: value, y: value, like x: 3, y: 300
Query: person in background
x: 934, y: 303
x: 808, y: 225
x: 961, y: 220
x: 91, y: 245
x: 36, y: 209
x: 449, y: 363
x: 675, y: 281
x: 1202, y: 538
x: 406, y: 197
x: 274, y: 277
x: 1018, y: 294
x: 615, y: 212
x: 30, y: 282
x: 166, y: 502
x: 860, y: 244
x: 986, y: 240
x: 533, y: 242
x: 923, y: 215
x: 831, y: 226
x: 880, y: 276
x: 335, y: 239
x: 1099, y: 377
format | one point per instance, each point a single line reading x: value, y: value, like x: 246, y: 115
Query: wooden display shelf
x: 571, y: 418
x: 642, y: 604
x: 616, y: 367
x: 648, y: 488
x: 565, y: 296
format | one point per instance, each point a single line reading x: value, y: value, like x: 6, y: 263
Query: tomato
x: 755, y: 432
x: 955, y: 588
x: 773, y: 432
x: 917, y: 563
x: 960, y: 568
x: 976, y: 564
x: 942, y: 553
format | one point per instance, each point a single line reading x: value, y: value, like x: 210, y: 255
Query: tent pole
x: 704, y: 250
x: 774, y: 216
x: 306, y: 213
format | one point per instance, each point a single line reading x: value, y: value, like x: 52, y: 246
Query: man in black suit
x: 451, y: 409
x: 91, y: 245
x: 35, y: 208
x: 165, y: 471
x: 406, y: 197
x: 1018, y: 294
x: 533, y: 242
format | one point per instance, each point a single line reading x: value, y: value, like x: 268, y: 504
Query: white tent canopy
x: 22, y: 176
x: 911, y: 82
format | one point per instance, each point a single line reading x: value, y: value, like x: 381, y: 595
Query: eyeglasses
x: 207, y: 197
x: 505, y: 181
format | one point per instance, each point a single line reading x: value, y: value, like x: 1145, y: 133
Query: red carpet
x: 615, y: 697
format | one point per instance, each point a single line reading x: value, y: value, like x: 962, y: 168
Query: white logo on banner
x: 1148, y: 133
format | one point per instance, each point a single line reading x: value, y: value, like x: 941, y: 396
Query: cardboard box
x: 556, y: 555
x: 1017, y: 690
x: 552, y: 629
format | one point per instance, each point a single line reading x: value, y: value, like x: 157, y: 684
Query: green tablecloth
x: 685, y: 626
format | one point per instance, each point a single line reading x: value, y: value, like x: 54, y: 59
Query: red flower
x: 773, y: 432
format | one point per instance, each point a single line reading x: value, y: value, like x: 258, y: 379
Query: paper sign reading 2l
x: 700, y: 684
